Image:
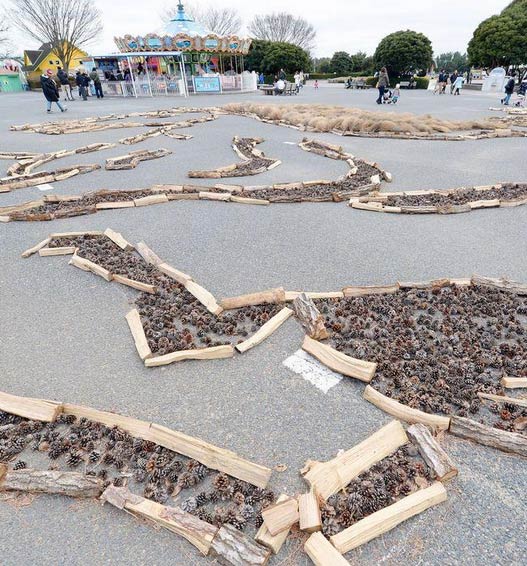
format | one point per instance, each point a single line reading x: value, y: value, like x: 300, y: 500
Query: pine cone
x: 202, y: 498
x: 74, y: 458
x: 118, y: 481
x: 238, y: 498
x: 189, y: 505
x: 94, y: 456
x: 20, y: 465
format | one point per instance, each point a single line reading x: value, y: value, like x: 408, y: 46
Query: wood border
x: 265, y: 330
x: 29, y: 408
x: 214, y: 353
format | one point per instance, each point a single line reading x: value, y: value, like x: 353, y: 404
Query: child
x: 396, y: 93
x: 458, y: 85
x: 316, y: 83
x: 387, y: 97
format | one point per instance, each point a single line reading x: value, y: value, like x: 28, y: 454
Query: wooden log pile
x: 132, y: 159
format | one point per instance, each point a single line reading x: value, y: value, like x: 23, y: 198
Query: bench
x: 267, y: 89
x: 290, y: 89
x: 407, y: 84
x: 360, y: 84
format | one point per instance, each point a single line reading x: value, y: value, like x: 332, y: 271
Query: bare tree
x: 283, y: 27
x: 222, y: 21
x: 64, y: 24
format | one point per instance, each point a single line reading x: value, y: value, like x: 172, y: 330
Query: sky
x: 342, y: 25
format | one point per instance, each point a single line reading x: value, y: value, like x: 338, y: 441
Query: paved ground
x: 64, y: 335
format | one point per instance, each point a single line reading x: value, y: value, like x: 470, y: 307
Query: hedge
x: 420, y: 82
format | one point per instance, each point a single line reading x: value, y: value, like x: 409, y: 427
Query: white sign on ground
x: 312, y: 370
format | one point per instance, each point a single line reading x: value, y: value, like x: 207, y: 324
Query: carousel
x: 185, y: 58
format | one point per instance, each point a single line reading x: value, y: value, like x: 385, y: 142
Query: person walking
x: 94, y: 76
x: 509, y: 89
x: 65, y: 83
x: 78, y: 82
x: 84, y: 84
x: 382, y: 84
x: 281, y: 75
x: 50, y: 90
x: 453, y: 78
x: 458, y: 85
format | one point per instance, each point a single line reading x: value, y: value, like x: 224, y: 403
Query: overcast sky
x: 342, y: 25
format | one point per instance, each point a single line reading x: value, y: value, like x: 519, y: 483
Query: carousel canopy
x: 182, y: 33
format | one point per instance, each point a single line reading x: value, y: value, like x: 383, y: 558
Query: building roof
x: 182, y: 23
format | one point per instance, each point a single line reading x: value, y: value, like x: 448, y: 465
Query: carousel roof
x: 182, y: 23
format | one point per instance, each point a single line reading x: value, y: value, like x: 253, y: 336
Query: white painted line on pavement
x: 290, y: 143
x: 45, y: 187
x: 312, y: 370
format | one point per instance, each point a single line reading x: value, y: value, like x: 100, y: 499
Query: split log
x: 115, y: 204
x: 179, y: 276
x: 87, y: 265
x: 386, y: 519
x: 326, y: 478
x: 322, y: 552
x: 504, y: 284
x: 419, y: 209
x: 371, y: 206
x: 430, y: 449
x: 281, y: 516
x: 136, y: 328
x: 147, y: 254
x: 5, y: 218
x: 489, y: 436
x: 118, y: 239
x: 211, y: 456
x: 145, y: 287
x: 292, y: 295
x: 207, y: 195
x: 475, y: 204
x: 247, y: 200
x: 514, y: 382
x: 234, y: 548
x: 339, y: 362
x: 36, y: 248
x: 197, y: 532
x: 403, y: 412
x: 265, y: 331
x: 67, y: 250
x: 310, y: 318
x: 269, y: 297
x: 365, y: 290
x: 152, y: 199
x: 204, y: 297
x: 54, y: 482
x: 309, y: 509
x: 265, y: 538
x: 34, y: 409
x: 503, y: 399
x: 214, y: 353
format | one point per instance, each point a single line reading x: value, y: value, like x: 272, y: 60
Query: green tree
x: 341, y: 63
x: 322, y: 65
x: 404, y: 52
x: 501, y: 40
x: 452, y: 61
x: 271, y: 56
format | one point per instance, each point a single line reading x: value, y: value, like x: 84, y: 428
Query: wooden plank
x: 503, y: 399
x: 147, y: 254
x: 57, y: 482
x: 265, y: 538
x: 513, y: 382
x: 211, y: 456
x: 364, y: 290
x: 207, y: 195
x: 371, y: 206
x: 503, y: 284
x: 432, y: 452
x: 204, y: 297
x: 197, y: 532
x: 265, y: 331
x: 66, y: 250
x: 326, y: 478
x: 475, y: 204
x: 268, y: 297
x: 175, y: 274
x: 118, y: 239
x: 322, y: 552
x: 514, y: 442
x: 309, y: 509
x: 403, y: 412
x: 145, y: 287
x: 87, y: 265
x: 152, y: 199
x: 115, y: 204
x: 234, y: 548
x: 35, y: 409
x: 388, y: 518
x: 36, y: 248
x: 281, y: 516
x: 339, y: 362
x: 214, y: 353
x: 136, y: 328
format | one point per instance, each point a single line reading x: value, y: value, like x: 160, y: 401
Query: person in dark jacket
x: 50, y: 90
x: 509, y: 89
x: 382, y: 84
x: 83, y: 86
x: 78, y: 81
x: 94, y: 76
x: 65, y: 83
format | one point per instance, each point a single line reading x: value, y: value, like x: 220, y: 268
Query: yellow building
x: 37, y: 61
